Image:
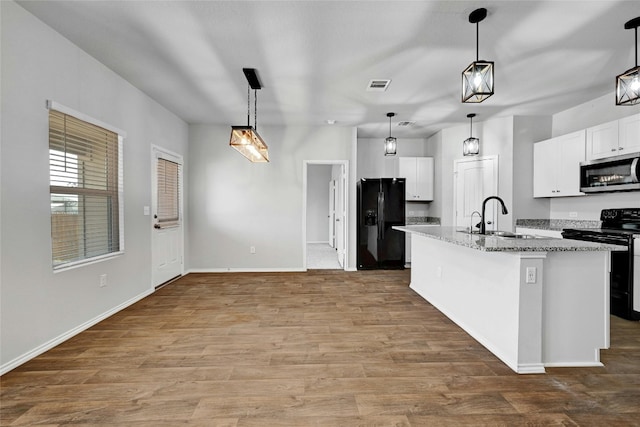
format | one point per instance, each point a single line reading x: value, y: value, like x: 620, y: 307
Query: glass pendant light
x: 628, y: 83
x: 471, y: 145
x: 477, y: 78
x: 246, y: 139
x: 390, y: 144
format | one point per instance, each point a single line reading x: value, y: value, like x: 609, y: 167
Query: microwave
x: 620, y: 173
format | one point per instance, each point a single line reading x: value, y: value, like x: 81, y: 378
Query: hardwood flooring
x: 323, y: 348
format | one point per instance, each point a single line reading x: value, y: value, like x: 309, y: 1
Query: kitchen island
x: 532, y: 302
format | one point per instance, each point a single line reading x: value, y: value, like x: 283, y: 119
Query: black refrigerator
x: 381, y: 205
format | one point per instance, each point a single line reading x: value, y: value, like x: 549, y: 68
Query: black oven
x: 619, y: 227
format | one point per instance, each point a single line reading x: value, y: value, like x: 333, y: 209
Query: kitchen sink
x: 510, y: 235
x: 503, y: 234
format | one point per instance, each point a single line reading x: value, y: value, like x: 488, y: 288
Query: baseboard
x: 324, y: 242
x: 69, y: 334
x: 246, y: 270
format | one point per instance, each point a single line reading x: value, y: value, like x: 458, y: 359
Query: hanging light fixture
x: 390, y: 144
x: 471, y: 145
x: 628, y: 83
x: 246, y: 139
x: 477, y: 78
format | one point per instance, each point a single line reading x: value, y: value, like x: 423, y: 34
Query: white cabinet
x: 556, y: 165
x: 614, y: 138
x: 418, y: 172
x: 602, y: 140
x: 629, y: 134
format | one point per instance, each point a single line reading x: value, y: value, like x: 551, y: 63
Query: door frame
x: 157, y: 150
x: 343, y: 182
x: 496, y: 169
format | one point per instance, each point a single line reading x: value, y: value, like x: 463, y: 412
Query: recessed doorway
x: 325, y: 214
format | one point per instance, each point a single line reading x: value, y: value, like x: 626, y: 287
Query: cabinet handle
x: 620, y: 148
x: 613, y: 149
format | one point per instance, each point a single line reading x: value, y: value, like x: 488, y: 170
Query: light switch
x: 147, y: 211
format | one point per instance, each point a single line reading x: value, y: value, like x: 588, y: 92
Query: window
x: 85, y: 170
x: 168, y: 193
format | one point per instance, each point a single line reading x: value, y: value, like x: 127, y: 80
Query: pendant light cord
x: 477, y: 41
x: 471, y: 127
x: 248, y: 106
x: 636, y: 30
x: 255, y: 109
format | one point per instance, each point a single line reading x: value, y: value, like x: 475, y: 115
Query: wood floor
x: 323, y: 348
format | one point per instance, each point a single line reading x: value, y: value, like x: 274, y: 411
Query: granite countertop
x: 502, y: 244
x: 556, y: 224
x: 422, y: 220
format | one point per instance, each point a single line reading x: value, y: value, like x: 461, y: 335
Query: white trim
x: 318, y: 242
x: 247, y: 270
x: 53, y: 105
x: 531, y: 368
x: 88, y: 261
x: 345, y: 170
x: 12, y: 364
x: 573, y: 364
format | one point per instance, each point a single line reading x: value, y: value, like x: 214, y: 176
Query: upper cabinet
x: 614, y: 138
x: 418, y: 172
x: 629, y: 134
x: 556, y: 165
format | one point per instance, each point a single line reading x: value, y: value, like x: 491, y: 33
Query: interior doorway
x: 325, y: 213
x: 474, y: 180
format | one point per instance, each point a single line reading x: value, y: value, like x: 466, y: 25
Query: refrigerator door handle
x: 380, y: 216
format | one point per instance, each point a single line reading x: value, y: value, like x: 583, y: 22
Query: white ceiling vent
x: 404, y: 124
x: 378, y: 85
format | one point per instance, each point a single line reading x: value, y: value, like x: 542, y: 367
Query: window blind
x: 86, y: 189
x: 168, y: 209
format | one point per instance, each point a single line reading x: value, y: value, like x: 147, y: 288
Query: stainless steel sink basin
x: 510, y: 235
x: 503, y: 234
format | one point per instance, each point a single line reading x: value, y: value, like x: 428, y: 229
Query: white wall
x: 235, y: 204
x: 318, y: 179
x: 511, y: 139
x: 372, y: 163
x: 38, y: 307
x: 592, y: 113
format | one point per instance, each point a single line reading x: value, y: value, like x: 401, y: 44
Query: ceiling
x: 316, y: 58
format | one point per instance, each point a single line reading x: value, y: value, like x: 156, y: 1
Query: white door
x: 167, y: 232
x: 475, y: 179
x: 341, y: 214
x: 332, y: 213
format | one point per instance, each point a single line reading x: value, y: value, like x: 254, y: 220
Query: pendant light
x: 471, y: 145
x: 628, y: 83
x: 477, y: 78
x: 246, y: 139
x: 390, y: 144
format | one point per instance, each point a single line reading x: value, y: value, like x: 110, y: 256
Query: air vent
x: 378, y: 85
x: 404, y: 124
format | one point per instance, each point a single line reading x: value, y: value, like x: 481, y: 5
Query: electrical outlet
x: 439, y: 272
x: 252, y: 250
x: 531, y: 275
x: 103, y: 280
x: 573, y: 214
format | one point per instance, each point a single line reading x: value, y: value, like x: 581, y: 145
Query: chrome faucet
x: 483, y: 225
x: 471, y: 221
